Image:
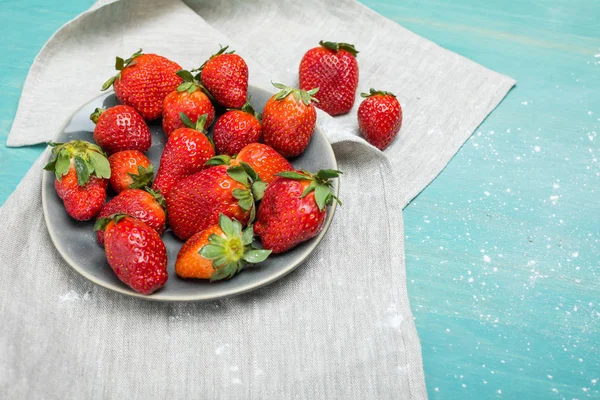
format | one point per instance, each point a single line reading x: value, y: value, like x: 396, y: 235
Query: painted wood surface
x: 502, y: 249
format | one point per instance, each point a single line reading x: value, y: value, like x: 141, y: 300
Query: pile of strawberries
x: 215, y: 192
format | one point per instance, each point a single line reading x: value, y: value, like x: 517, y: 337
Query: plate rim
x: 199, y: 297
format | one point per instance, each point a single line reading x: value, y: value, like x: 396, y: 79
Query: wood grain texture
x: 502, y: 249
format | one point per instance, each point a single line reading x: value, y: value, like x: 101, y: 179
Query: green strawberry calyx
x: 222, y: 50
x: 143, y: 178
x: 320, y: 183
x: 234, y: 252
x: 158, y: 197
x: 87, y: 158
x: 340, y: 46
x: 120, y: 65
x: 247, y: 108
x: 373, y: 92
x: 101, y: 223
x: 95, y: 116
x: 200, y: 124
x: 191, y: 83
x: 254, y: 191
x: 300, y: 95
x: 221, y: 159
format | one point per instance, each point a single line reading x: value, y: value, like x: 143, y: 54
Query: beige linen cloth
x: 340, y: 326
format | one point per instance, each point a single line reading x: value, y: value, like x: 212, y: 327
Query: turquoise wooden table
x: 503, y: 247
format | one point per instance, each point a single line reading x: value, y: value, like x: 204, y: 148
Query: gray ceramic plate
x: 76, y: 241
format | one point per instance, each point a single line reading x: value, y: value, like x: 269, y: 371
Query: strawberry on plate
x: 236, y: 129
x: 332, y: 68
x: 82, y: 173
x: 130, y: 169
x: 225, y: 75
x: 120, y: 128
x: 379, y: 118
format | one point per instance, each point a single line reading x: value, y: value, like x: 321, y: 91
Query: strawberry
x: 379, y: 118
x: 218, y: 252
x: 264, y: 160
x: 190, y: 99
x: 194, y: 203
x: 143, y: 82
x: 120, y: 128
x: 235, y: 129
x: 289, y: 119
x: 333, y: 69
x: 130, y: 169
x: 147, y: 206
x: 135, y: 252
x: 225, y: 75
x: 185, y: 153
x: 293, y: 208
x: 82, y: 173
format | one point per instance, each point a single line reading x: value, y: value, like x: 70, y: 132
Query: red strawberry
x: 130, y: 169
x: 147, y: 206
x: 289, y: 120
x: 189, y: 99
x: 235, y: 129
x: 81, y: 171
x: 143, y: 82
x: 218, y: 252
x: 194, y: 203
x: 333, y: 69
x: 120, y: 128
x: 135, y: 252
x: 379, y: 118
x: 185, y: 153
x: 225, y: 75
x: 293, y: 208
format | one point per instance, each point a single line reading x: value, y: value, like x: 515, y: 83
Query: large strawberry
x: 332, y: 68
x: 135, y: 252
x: 218, y: 252
x: 130, y: 169
x: 236, y: 129
x: 225, y: 75
x: 82, y: 173
x: 143, y: 82
x: 195, y: 203
x: 293, y: 208
x: 190, y: 99
x: 379, y: 118
x: 289, y: 120
x: 146, y: 205
x: 185, y: 153
x: 120, y: 128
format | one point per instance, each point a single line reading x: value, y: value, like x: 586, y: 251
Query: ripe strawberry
x: 218, y: 252
x: 130, y: 169
x: 333, y: 69
x: 185, y: 153
x: 379, y: 118
x: 289, y: 120
x: 264, y: 160
x: 225, y: 75
x: 190, y: 99
x: 194, y: 203
x: 81, y: 171
x: 120, y: 128
x: 293, y: 208
x: 147, y: 206
x: 135, y: 252
x: 143, y: 82
x: 235, y: 129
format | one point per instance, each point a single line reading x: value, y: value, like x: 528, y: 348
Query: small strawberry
x: 225, y: 75
x: 235, y: 129
x: 264, y: 160
x: 194, y: 203
x: 120, y: 128
x: 130, y: 169
x: 82, y: 173
x: 146, y: 205
x: 379, y: 118
x: 289, y: 119
x: 293, y: 208
x: 143, y: 82
x: 333, y: 69
x: 135, y: 252
x: 218, y: 252
x: 185, y: 153
x: 190, y: 99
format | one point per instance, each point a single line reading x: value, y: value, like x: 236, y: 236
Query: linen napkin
x: 340, y: 326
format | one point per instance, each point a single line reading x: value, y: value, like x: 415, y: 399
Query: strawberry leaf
x: 211, y: 251
x: 63, y: 164
x: 226, y: 225
x: 256, y: 256
x: 328, y: 173
x: 186, y: 75
x: 83, y: 173
x: 143, y: 178
x: 100, y: 165
x: 311, y: 187
x: 248, y: 236
x: 186, y: 120
x: 293, y: 175
x: 222, y: 159
x: 258, y: 189
x: 238, y: 174
x: 322, y: 196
